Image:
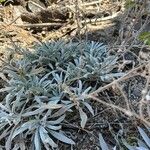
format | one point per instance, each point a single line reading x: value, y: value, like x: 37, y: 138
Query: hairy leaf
x: 83, y: 117
x: 45, y: 137
x: 37, y: 140
x: 102, y: 143
x: 144, y: 136
x: 62, y: 137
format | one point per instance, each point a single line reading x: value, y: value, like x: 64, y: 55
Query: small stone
x: 147, y: 97
x: 144, y: 92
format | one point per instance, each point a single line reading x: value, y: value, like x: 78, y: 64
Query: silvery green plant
x: 143, y: 144
x: 45, y: 85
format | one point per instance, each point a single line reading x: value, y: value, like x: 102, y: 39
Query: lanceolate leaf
x: 62, y: 111
x: 18, y: 98
x: 89, y: 107
x: 83, y: 117
x: 45, y: 137
x: 62, y: 137
x: 58, y: 121
x: 144, y: 136
x: 24, y: 127
x: 37, y: 143
x: 36, y: 71
x: 32, y: 113
x: 54, y: 127
x: 6, y: 89
x: 4, y: 107
x: 8, y: 99
x: 141, y: 148
x: 51, y: 106
x: 141, y: 144
x: 19, y: 130
x: 9, y: 139
x: 102, y: 143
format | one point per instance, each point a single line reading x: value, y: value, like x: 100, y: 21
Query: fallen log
x: 51, y: 14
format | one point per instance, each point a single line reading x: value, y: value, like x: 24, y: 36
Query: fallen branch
x: 118, y: 80
x: 101, y: 19
x: 125, y: 111
x: 39, y: 25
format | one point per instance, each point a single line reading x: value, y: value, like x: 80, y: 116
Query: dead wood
x: 51, y: 14
x: 39, y: 25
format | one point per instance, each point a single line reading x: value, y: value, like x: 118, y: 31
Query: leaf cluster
x: 46, y: 85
